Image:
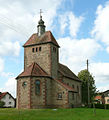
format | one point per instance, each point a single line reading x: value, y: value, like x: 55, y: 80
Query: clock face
x: 24, y: 84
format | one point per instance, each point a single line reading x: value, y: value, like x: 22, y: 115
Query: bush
x: 2, y: 104
x: 101, y: 106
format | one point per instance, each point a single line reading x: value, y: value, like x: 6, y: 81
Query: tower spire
x: 40, y: 13
x: 41, y: 26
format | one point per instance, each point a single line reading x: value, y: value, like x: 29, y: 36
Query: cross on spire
x: 40, y: 13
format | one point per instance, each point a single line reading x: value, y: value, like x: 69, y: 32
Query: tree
x: 1, y: 104
x: 84, y: 76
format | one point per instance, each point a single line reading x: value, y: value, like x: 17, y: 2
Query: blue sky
x: 81, y: 27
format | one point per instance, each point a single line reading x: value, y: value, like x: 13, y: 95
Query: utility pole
x: 88, y: 83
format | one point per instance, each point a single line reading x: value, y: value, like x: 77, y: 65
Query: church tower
x: 42, y: 48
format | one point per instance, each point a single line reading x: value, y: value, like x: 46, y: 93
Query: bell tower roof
x: 47, y: 37
x: 41, y: 26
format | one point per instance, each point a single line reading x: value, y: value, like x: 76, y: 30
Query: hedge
x: 2, y: 104
x: 101, y: 106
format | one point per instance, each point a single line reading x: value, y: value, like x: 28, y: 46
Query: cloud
x: 103, y: 88
x: 10, y: 83
x: 16, y: 18
x: 100, y: 33
x: 72, y: 22
x: 107, y: 49
x: 75, y: 23
x: 26, y: 16
x: 6, y: 75
x: 9, y: 48
x: 100, y: 71
x: 10, y: 86
x: 74, y: 53
x: 101, y: 24
x: 63, y: 19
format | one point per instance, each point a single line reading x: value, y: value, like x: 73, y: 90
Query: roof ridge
x: 67, y: 72
x: 61, y: 72
x: 3, y: 94
x: 63, y: 65
x: 65, y: 85
x: 33, y: 70
x: 32, y: 67
x: 41, y: 68
x: 50, y: 34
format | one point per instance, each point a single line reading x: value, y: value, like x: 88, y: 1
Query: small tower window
x: 32, y: 49
x: 36, y: 49
x: 39, y: 48
x: 37, y: 87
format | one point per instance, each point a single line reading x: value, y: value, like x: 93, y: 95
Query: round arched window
x: 24, y: 84
x: 37, y: 85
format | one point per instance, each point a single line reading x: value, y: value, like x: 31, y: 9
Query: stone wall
x: 47, y: 58
x: 77, y: 96
x: 72, y: 101
x: 42, y: 57
x: 44, y: 99
x: 57, y: 88
x: 23, y: 93
x: 48, y: 92
x: 27, y: 98
x: 54, y: 61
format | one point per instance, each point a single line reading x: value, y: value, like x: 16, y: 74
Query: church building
x: 45, y: 82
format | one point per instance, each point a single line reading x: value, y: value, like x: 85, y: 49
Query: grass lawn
x: 50, y: 114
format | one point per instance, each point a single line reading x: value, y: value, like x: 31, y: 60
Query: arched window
x: 24, y: 84
x: 37, y: 83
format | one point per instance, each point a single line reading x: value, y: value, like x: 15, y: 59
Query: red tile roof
x: 33, y: 70
x: 98, y: 97
x: 65, y: 86
x: 65, y: 71
x: 47, y: 37
x: 2, y: 95
x: 5, y: 93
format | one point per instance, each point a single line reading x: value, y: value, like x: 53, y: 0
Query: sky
x: 81, y: 27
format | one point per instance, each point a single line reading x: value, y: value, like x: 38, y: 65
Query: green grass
x: 50, y: 114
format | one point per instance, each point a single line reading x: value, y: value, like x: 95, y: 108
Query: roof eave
x: 73, y: 79
x: 32, y: 76
x: 39, y: 44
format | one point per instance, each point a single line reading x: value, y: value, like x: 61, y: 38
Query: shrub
x: 2, y: 104
x: 101, y: 106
